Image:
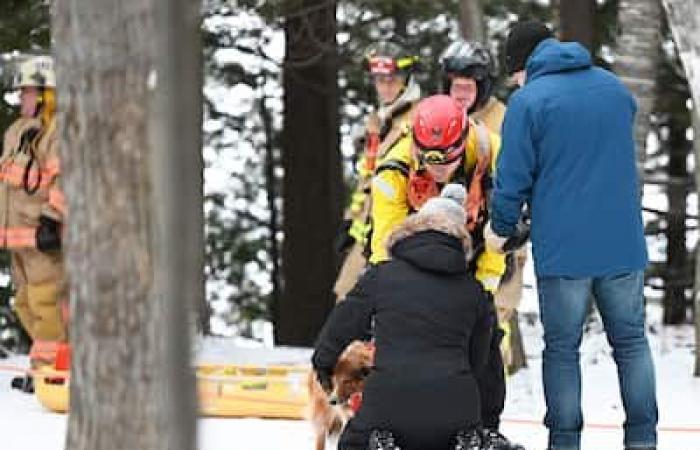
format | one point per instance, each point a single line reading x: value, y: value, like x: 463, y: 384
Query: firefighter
x: 392, y: 71
x: 468, y: 76
x: 31, y: 213
x: 445, y: 146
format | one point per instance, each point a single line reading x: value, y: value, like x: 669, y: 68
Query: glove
x: 343, y: 240
x: 325, y: 380
x: 522, y: 234
x: 502, y: 245
x: 494, y: 242
x: 48, y: 235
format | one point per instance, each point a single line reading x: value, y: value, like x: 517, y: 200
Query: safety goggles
x: 440, y: 156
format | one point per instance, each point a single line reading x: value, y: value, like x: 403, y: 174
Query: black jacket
x: 431, y: 322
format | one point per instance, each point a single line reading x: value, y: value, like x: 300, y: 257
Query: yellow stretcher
x: 224, y: 390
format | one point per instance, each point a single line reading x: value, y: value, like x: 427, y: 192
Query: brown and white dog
x: 328, y: 414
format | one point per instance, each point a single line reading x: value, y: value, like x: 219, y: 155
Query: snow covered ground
x: 26, y: 426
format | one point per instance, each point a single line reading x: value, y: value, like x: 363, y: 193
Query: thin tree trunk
x: 696, y: 285
x: 130, y: 153
x: 577, y: 22
x: 674, y: 289
x: 638, y: 51
x: 271, y: 190
x: 684, y: 20
x: 401, y: 16
x: 312, y: 175
x: 471, y: 20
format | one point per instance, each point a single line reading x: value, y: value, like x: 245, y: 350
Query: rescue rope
x: 610, y: 426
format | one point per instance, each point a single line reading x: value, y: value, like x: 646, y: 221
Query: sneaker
x: 468, y: 440
x: 382, y: 440
x: 494, y: 440
x: 24, y: 383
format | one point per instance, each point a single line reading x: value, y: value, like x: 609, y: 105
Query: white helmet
x: 36, y: 71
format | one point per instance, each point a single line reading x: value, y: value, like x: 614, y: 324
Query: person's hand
x: 48, y: 235
x: 493, y: 241
x: 507, y: 244
x: 520, y: 238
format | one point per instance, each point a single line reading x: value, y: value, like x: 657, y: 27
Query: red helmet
x: 440, y: 127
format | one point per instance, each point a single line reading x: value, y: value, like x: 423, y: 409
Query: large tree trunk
x: 312, y: 175
x: 638, y: 48
x: 684, y: 20
x: 577, y: 22
x: 471, y: 20
x: 129, y: 117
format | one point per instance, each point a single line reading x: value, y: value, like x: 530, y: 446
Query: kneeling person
x: 432, y: 327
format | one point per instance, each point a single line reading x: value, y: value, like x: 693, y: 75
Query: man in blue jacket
x: 568, y: 153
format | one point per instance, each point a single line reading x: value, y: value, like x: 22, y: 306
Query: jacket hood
x: 431, y: 243
x: 552, y: 56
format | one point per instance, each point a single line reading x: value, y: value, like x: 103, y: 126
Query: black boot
x: 641, y: 448
x: 494, y: 440
x: 468, y: 440
x: 382, y: 440
x: 24, y: 383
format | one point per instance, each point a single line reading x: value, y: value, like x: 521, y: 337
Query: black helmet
x: 470, y: 60
x: 388, y: 57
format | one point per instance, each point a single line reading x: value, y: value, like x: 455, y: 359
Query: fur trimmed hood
x: 431, y: 241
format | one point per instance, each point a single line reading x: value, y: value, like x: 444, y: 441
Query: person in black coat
x: 431, y: 322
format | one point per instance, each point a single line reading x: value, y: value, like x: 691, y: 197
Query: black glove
x: 343, y: 240
x: 517, y: 240
x: 325, y: 380
x: 48, y: 234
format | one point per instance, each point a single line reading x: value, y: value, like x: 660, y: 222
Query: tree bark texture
x: 471, y: 20
x: 696, y: 284
x: 312, y: 171
x: 638, y: 51
x: 577, y: 22
x: 130, y: 387
x: 674, y: 301
x: 271, y: 189
x: 177, y: 174
x: 684, y: 20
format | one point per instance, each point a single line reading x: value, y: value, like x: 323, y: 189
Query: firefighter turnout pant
x: 41, y: 301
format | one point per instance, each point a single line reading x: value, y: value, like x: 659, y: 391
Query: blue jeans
x: 563, y: 309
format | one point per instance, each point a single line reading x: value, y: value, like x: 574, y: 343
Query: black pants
x: 492, y: 381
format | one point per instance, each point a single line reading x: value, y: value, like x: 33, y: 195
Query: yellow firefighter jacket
x: 491, y: 115
x: 390, y: 204
x: 397, y: 126
x: 29, y: 171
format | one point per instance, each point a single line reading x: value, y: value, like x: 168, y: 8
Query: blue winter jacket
x: 568, y: 151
